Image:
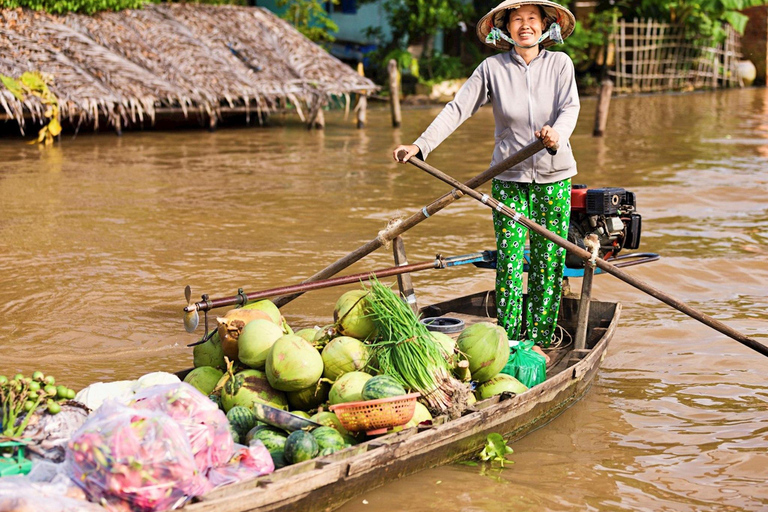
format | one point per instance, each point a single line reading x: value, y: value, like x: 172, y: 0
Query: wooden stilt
x: 362, y: 110
x: 394, y: 93
x: 603, y: 103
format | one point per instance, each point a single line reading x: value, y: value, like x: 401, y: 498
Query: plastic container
x: 444, y: 324
x: 376, y: 416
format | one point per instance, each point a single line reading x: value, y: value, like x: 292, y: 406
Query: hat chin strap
x: 553, y: 32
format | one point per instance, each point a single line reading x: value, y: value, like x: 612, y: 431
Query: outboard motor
x: 608, y: 213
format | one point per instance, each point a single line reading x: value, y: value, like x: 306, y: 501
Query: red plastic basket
x: 376, y: 416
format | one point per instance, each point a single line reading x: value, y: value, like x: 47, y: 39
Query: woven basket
x: 376, y: 416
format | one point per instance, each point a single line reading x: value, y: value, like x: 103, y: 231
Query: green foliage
x: 93, y: 6
x: 310, y: 18
x: 441, y: 67
x: 405, y: 61
x: 588, y: 36
x: 496, y: 449
x: 702, y: 17
x: 414, y: 19
x: 34, y: 83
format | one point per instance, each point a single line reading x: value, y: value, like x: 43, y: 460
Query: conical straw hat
x: 554, y: 12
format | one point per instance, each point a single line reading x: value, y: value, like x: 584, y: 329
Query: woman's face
x: 525, y: 25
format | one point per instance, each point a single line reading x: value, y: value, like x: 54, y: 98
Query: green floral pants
x: 549, y: 205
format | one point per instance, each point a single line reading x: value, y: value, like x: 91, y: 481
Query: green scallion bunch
x: 406, y: 350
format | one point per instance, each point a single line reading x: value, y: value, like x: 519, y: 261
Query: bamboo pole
x: 587, y: 256
x: 389, y: 233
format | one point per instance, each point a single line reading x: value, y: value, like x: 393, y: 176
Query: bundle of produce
x: 248, y: 462
x: 206, y: 426
x: 134, y: 459
x: 408, y: 352
x: 21, y: 396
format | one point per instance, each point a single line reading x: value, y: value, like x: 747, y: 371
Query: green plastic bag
x: 525, y: 365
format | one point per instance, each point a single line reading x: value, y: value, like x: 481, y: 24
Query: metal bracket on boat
x: 243, y: 297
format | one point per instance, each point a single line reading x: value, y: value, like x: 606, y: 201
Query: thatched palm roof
x: 124, y: 65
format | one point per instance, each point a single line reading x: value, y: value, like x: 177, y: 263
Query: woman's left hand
x: 549, y: 136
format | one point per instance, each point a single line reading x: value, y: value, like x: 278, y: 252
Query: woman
x: 533, y: 94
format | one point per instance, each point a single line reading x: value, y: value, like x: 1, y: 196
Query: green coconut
x: 309, y: 398
x: 447, y: 344
x: 348, y: 388
x: 352, y: 317
x: 293, y: 364
x: 204, y: 378
x: 344, y: 354
x: 303, y: 414
x: 487, y: 349
x: 269, y: 308
x: 255, y: 340
x: 209, y: 353
x: 308, y: 334
x: 249, y: 387
x: 420, y: 415
x: 498, y: 385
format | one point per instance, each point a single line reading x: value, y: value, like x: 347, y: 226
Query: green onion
x: 406, y: 350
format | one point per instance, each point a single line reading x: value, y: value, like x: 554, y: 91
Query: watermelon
x: 273, y: 439
x: 278, y: 458
x: 241, y: 419
x: 300, y: 446
x: 328, y: 437
x: 381, y: 386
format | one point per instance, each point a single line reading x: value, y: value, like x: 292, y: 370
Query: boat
x: 328, y: 482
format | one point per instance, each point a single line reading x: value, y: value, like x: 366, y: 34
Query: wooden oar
x: 432, y: 208
x: 586, y: 256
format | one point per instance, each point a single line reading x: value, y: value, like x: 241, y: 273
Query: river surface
x: 100, y: 234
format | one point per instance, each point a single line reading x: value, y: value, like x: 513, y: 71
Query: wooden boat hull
x: 328, y: 482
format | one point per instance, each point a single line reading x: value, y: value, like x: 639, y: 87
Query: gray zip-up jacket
x: 525, y: 97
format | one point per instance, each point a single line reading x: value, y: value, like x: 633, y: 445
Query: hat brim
x: 495, y: 17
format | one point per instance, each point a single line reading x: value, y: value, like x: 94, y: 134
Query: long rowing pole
x: 432, y: 208
x: 586, y: 256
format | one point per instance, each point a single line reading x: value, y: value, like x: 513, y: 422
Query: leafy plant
x: 496, y: 449
x: 310, y: 18
x: 36, y: 84
x: 441, y: 67
x: 93, y: 6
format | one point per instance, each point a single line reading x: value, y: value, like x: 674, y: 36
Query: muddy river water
x: 99, y: 235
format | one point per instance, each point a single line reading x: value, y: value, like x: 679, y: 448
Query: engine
x: 608, y: 213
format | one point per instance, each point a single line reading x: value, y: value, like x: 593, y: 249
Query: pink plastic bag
x: 134, y: 460
x: 249, y: 462
x: 206, y: 425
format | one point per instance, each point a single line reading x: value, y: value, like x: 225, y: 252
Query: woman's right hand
x: 405, y: 151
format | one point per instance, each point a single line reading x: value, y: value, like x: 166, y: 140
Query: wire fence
x: 653, y: 56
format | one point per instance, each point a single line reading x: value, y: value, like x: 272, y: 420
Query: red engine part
x: 579, y: 199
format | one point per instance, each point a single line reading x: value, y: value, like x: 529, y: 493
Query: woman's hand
x: 549, y: 137
x: 403, y: 152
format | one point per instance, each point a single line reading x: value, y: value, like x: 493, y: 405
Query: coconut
x: 293, y: 364
x: 344, y: 354
x: 204, y: 378
x: 308, y: 334
x: 249, y: 387
x: 309, y: 398
x: 498, y: 385
x: 209, y: 353
x: 487, y: 349
x: 268, y: 307
x: 352, y: 317
x: 447, y: 344
x: 255, y: 340
x: 420, y: 415
x: 348, y: 388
